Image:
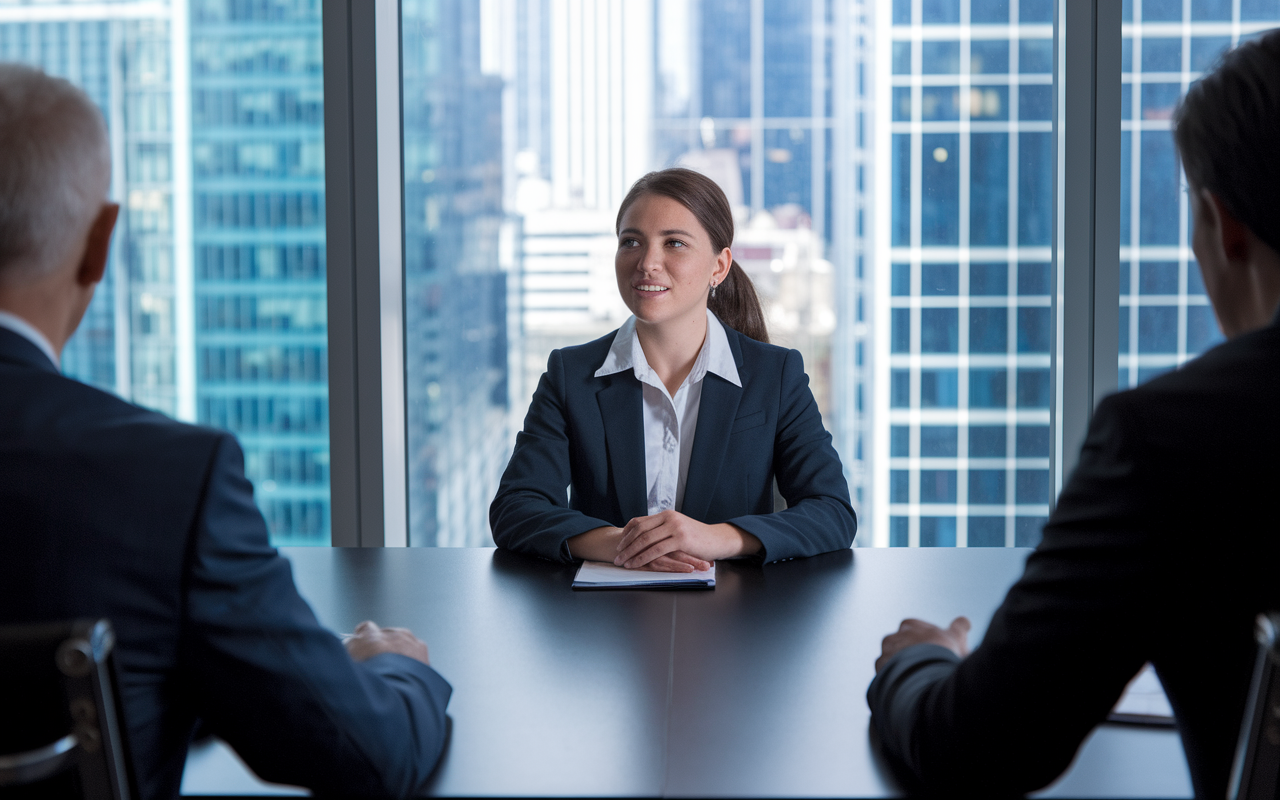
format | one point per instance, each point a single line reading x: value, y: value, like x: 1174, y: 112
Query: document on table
x: 599, y: 575
x: 1143, y: 702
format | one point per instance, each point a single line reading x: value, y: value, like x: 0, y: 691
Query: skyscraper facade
x: 213, y: 308
x: 963, y: 282
x: 1165, y: 316
x: 119, y: 54
x: 456, y: 283
x: 261, y: 347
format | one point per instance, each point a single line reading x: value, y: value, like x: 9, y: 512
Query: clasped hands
x: 664, y: 542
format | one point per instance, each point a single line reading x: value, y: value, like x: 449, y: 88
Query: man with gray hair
x: 110, y: 510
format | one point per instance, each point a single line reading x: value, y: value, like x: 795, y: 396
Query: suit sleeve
x: 531, y: 514
x: 1058, y: 653
x: 819, y: 517
x: 278, y: 687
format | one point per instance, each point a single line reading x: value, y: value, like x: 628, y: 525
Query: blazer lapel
x: 621, y: 409
x: 716, y: 412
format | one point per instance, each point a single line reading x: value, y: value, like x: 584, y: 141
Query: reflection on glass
x: 1165, y: 317
x: 213, y: 308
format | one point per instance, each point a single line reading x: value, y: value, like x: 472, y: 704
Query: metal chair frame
x: 1256, y: 772
x: 96, y: 743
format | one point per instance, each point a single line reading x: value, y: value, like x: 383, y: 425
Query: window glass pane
x: 988, y: 330
x: 989, y: 12
x: 989, y: 56
x: 937, y: 531
x: 940, y: 58
x: 940, y: 279
x: 213, y: 308
x: 988, y: 388
x: 986, y: 487
x: 938, y: 441
x: 987, y: 441
x: 1165, y: 318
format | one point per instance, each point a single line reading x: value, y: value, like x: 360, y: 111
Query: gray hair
x: 55, y: 169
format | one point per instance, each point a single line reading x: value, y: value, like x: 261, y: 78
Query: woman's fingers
x: 640, y: 540
x: 667, y: 564
x: 693, y: 561
x: 661, y: 547
x: 638, y: 526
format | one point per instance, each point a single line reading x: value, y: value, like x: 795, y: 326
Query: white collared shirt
x: 670, y: 421
x: 32, y: 334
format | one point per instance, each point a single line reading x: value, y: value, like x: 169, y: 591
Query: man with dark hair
x: 1163, y: 546
x: 110, y: 510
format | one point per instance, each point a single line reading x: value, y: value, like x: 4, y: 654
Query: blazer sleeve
x: 278, y: 687
x: 819, y: 517
x: 1059, y: 651
x: 531, y: 514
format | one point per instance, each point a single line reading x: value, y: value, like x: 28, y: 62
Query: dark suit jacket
x: 110, y: 510
x: 1163, y: 548
x: 587, y: 433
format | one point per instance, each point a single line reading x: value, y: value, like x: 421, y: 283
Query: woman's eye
x: 676, y: 243
x: 628, y: 243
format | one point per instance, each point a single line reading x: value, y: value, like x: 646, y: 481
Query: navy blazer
x: 110, y: 510
x: 1163, y: 548
x: 586, y: 434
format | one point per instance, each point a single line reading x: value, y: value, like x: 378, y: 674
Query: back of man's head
x: 55, y: 170
x: 1228, y: 133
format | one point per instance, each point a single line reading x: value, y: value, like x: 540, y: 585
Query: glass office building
x: 456, y: 339
x: 1165, y: 317
x: 120, y: 57
x: 213, y: 309
x: 963, y: 280
x: 258, y: 245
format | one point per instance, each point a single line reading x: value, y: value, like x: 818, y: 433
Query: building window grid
x: 962, y: 416
x: 1135, y: 366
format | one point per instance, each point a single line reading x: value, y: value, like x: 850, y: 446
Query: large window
x: 891, y: 169
x: 213, y: 309
x: 1165, y: 317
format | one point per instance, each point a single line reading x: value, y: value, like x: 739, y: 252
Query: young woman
x: 669, y: 432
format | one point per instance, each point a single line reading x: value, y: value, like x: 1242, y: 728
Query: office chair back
x: 63, y: 732
x: 1256, y: 773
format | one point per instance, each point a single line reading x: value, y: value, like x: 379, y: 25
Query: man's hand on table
x: 369, y: 640
x: 914, y: 631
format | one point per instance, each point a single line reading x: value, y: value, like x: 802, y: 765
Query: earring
x: 713, y: 290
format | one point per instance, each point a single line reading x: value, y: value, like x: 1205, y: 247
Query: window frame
x: 365, y: 240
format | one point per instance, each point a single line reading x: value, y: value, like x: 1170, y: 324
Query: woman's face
x: 666, y: 262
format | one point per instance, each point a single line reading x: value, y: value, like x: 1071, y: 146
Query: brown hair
x: 735, y: 302
x: 1225, y: 129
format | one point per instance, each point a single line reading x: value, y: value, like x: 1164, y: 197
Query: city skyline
x: 890, y: 166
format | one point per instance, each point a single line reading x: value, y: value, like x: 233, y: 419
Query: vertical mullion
x: 364, y: 198
x: 340, y: 260
x: 1087, y: 235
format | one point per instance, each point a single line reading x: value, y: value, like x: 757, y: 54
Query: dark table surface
x: 754, y: 689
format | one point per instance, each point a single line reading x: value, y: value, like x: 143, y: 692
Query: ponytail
x: 735, y: 303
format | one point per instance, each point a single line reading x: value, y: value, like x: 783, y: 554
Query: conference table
x: 755, y: 688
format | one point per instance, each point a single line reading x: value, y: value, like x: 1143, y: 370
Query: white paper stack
x: 599, y: 575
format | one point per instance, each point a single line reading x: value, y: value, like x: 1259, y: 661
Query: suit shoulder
x: 1245, y: 367
x: 61, y: 409
x: 754, y: 349
x: 587, y: 355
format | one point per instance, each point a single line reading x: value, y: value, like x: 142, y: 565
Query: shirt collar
x: 31, y: 333
x: 715, y: 356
